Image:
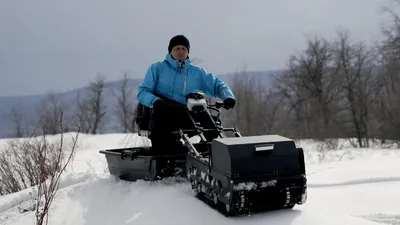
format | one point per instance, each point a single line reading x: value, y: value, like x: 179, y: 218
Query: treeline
x: 340, y: 88
x: 101, y: 108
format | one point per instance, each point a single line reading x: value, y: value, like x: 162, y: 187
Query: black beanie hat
x: 178, y: 40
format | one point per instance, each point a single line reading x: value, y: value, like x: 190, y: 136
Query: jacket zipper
x: 173, y: 89
x: 184, y: 84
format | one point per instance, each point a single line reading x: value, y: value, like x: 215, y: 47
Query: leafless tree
x: 311, y: 86
x: 16, y: 116
x: 244, y: 112
x: 49, y: 111
x: 257, y: 109
x: 53, y: 160
x: 358, y: 68
x: 390, y: 79
x: 92, y: 106
x: 124, y: 109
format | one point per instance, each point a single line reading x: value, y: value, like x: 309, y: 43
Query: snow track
x: 355, y: 182
x: 384, y: 218
x: 25, y: 197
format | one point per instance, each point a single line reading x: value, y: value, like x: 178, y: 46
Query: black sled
x: 236, y: 175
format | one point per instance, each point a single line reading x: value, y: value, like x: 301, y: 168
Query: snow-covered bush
x: 37, y: 162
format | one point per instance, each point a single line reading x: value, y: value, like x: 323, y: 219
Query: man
x: 166, y: 84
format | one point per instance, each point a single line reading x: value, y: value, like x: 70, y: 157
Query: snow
x: 346, y: 186
x: 253, y: 185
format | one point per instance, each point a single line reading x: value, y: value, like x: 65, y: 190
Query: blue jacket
x: 169, y: 79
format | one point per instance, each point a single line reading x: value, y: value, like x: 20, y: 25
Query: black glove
x: 158, y: 104
x: 229, y: 103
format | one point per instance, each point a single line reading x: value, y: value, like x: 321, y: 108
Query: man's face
x: 179, y: 52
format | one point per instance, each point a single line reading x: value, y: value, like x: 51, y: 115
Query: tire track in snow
x: 355, y: 182
x: 25, y: 197
x: 320, y: 170
x: 383, y: 218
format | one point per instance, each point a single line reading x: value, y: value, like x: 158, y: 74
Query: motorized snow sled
x: 235, y: 174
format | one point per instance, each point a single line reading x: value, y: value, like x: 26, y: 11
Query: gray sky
x: 60, y: 45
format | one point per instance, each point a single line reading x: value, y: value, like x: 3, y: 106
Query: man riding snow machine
x: 239, y: 174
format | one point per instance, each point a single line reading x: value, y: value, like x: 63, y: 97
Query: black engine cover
x: 256, y: 156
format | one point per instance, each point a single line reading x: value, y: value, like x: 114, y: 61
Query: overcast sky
x: 60, y: 45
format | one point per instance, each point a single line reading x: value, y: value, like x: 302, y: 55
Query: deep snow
x: 348, y: 186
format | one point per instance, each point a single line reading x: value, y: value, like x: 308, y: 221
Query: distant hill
x: 27, y: 105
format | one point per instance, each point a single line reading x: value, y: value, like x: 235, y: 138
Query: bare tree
x: 311, y: 86
x: 244, y: 112
x: 59, y: 156
x: 17, y: 118
x: 49, y: 111
x: 93, y: 107
x: 390, y: 79
x: 124, y: 109
x: 358, y: 67
x: 256, y: 109
x: 275, y: 117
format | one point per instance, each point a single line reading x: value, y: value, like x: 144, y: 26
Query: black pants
x: 170, y: 118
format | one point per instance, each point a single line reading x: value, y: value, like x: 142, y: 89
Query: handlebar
x: 216, y: 106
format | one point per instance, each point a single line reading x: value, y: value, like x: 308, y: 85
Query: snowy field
x: 347, y: 186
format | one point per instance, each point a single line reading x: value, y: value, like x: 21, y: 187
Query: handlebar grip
x: 219, y: 104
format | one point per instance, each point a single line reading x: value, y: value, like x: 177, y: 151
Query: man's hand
x: 229, y: 103
x: 158, y: 104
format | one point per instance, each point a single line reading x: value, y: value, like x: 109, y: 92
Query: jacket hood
x: 175, y: 63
